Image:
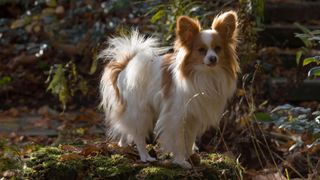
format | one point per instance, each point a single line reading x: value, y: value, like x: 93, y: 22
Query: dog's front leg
x: 191, y: 130
x: 181, y: 152
x: 171, y: 130
x: 141, y: 146
x: 179, y: 156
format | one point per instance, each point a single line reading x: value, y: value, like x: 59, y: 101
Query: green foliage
x: 51, y: 29
x: 64, y: 81
x: 51, y: 3
x: 9, y: 157
x: 251, y: 17
x: 315, y: 59
x: 314, y: 72
x: 58, y: 84
x: 5, y: 80
x: 308, y: 37
x: 261, y: 116
x: 310, y: 40
x: 165, y: 14
x: 295, y: 119
x: 256, y: 8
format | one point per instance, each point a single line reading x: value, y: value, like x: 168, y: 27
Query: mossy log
x: 74, y: 163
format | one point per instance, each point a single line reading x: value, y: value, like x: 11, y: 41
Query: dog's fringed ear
x: 187, y: 28
x: 226, y: 25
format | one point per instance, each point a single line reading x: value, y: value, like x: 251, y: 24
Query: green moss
x: 45, y: 163
x: 116, y: 166
x: 48, y: 163
x: 9, y: 157
x: 219, y: 166
x: 7, y: 163
x: 56, y: 163
x: 49, y: 150
x: 44, y: 156
x: 158, y: 173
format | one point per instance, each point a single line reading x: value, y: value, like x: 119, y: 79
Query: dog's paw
x: 122, y: 143
x: 151, y: 159
x: 195, y: 148
x: 183, y: 163
x: 148, y: 159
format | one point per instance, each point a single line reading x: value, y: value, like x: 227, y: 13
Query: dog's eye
x: 217, y: 49
x: 202, y: 50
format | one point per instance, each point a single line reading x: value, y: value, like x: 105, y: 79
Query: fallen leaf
x: 90, y: 150
x: 67, y: 147
x: 17, y: 23
x: 68, y: 157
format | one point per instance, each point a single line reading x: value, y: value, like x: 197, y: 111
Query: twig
x: 22, y: 59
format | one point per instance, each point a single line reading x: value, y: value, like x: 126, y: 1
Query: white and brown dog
x: 178, y: 96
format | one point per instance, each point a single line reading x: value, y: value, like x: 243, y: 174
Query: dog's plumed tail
x: 121, y: 48
x: 125, y: 78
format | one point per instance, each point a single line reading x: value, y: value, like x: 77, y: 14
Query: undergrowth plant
x: 165, y: 13
x: 310, y: 40
x: 251, y: 16
x: 5, y: 80
x: 64, y: 81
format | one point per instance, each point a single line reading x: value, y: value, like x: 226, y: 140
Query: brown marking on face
x: 166, y: 81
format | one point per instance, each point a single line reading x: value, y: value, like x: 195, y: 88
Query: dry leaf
x: 90, y: 150
x: 67, y: 147
x: 68, y: 157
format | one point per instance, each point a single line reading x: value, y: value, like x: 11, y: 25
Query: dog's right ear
x: 187, y: 28
x: 226, y: 25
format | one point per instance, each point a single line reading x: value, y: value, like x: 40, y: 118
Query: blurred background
x: 49, y: 77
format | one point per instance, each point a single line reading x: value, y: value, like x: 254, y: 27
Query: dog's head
x: 207, y: 49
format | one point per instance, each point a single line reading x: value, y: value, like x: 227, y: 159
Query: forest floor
x: 263, y: 134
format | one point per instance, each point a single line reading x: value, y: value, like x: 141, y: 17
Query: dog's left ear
x: 226, y: 25
x: 187, y: 28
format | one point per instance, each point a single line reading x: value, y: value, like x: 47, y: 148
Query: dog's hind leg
x: 123, y: 142
x: 139, y: 124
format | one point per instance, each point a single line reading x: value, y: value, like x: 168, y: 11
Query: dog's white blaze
x: 206, y: 37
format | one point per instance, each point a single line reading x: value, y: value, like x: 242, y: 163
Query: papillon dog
x: 177, y: 95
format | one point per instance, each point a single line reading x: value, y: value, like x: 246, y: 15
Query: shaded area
x: 48, y: 64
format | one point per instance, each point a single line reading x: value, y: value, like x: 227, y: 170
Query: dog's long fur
x: 178, y: 96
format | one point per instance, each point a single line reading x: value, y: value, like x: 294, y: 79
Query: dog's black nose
x: 213, y: 59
